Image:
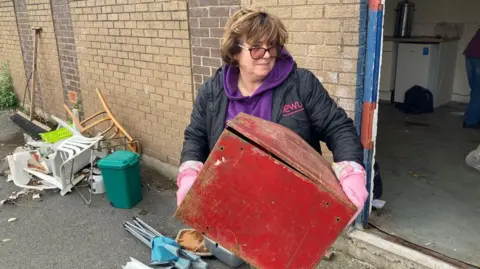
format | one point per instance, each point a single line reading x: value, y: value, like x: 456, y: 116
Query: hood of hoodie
x: 282, y: 68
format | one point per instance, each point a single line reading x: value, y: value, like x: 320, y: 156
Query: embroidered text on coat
x: 290, y: 109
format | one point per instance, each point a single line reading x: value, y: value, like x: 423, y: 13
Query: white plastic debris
x: 378, y: 204
x: 6, y: 240
x: 134, y: 264
x: 14, y: 196
x: 36, y: 196
x: 97, y: 185
x: 17, y: 163
x: 27, y: 138
x: 473, y: 158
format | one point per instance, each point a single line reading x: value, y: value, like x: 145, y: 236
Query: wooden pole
x: 34, y: 72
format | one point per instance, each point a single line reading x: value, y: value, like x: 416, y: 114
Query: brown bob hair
x: 251, y: 25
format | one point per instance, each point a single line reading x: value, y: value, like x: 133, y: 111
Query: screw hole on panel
x: 327, y: 203
x: 338, y: 219
x: 208, y: 227
x: 222, y: 148
x: 241, y: 148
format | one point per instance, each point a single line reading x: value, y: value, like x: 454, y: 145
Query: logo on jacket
x: 292, y: 108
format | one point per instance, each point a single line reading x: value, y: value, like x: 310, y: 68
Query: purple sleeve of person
x: 473, y: 47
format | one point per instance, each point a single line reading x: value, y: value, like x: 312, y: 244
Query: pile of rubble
x: 64, y: 157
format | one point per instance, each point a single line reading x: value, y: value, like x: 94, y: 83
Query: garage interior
x: 432, y: 196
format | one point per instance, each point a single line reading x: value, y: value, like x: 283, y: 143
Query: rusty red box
x: 268, y: 197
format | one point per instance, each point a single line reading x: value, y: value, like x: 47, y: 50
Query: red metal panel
x: 290, y: 148
x: 255, y: 204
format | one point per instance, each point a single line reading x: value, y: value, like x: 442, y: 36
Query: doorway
x: 432, y: 196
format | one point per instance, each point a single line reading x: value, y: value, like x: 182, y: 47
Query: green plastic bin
x: 121, y: 176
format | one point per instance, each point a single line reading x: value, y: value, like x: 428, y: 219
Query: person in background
x: 259, y: 77
x: 472, y: 57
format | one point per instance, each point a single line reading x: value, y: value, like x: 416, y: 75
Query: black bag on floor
x: 377, y: 182
x: 418, y: 100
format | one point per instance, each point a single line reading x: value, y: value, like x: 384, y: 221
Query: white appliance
x: 389, y: 64
x: 97, y: 185
x: 417, y: 64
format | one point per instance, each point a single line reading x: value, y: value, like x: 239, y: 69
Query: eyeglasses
x: 258, y: 53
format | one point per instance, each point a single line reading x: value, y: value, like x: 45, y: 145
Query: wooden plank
x: 34, y: 74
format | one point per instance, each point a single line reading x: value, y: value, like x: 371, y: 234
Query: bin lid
x: 119, y: 160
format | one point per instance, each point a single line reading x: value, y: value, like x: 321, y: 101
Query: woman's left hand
x: 352, y: 177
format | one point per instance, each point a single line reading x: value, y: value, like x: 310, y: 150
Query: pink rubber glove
x: 187, y: 174
x: 353, y: 179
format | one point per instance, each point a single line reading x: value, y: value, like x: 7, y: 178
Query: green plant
x: 76, y: 105
x: 8, y: 99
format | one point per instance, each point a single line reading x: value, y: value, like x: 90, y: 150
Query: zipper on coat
x: 288, y: 88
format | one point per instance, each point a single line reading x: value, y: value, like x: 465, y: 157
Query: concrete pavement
x: 63, y: 232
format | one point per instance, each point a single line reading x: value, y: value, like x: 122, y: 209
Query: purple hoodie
x: 260, y: 103
x: 473, y: 47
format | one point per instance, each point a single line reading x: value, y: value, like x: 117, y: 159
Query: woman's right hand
x: 187, y: 175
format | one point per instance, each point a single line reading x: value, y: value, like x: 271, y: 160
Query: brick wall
x: 26, y: 43
x: 10, y: 48
x: 146, y: 62
x: 49, y: 91
x: 323, y: 37
x: 67, y: 52
x: 137, y: 53
x: 207, y: 20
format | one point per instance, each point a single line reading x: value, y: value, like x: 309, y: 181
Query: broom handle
x: 34, y: 75
x: 25, y: 91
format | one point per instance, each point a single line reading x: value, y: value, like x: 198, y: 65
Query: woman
x: 472, y: 58
x: 260, y: 78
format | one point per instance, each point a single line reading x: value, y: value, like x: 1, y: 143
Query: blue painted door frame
x: 372, y: 20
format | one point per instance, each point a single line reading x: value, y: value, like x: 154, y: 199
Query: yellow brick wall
x: 323, y: 37
x: 37, y: 13
x: 137, y: 53
x: 50, y: 98
x: 10, y: 49
x: 140, y: 54
x: 207, y: 22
